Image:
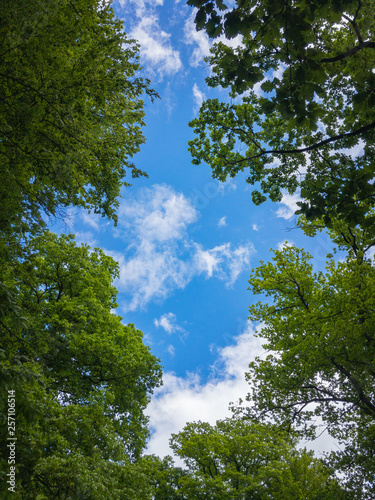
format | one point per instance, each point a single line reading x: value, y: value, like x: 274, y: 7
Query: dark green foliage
x: 82, y: 378
x: 70, y: 120
x: 70, y: 109
x: 307, y: 69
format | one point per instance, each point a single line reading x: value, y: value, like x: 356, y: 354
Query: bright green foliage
x: 165, y: 478
x: 319, y: 331
x: 71, y: 114
x: 241, y: 459
x: 82, y: 378
x: 70, y: 108
x: 304, y: 74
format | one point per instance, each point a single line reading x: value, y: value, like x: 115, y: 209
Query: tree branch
x: 369, y: 406
x: 317, y: 145
x: 354, y: 50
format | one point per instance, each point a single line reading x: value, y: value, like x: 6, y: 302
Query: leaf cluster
x: 82, y: 378
x: 240, y: 458
x: 302, y: 78
x: 71, y: 109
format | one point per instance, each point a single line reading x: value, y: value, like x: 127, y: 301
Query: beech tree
x: 71, y: 109
x: 71, y: 114
x: 318, y: 331
x: 242, y: 459
x: 82, y: 378
x: 301, y: 82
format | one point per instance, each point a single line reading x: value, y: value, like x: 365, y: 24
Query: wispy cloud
x: 141, y: 6
x: 86, y: 237
x: 159, y: 255
x: 158, y: 215
x: 168, y: 322
x: 223, y: 262
x: 222, y: 222
x: 229, y: 184
x: 171, y: 350
x: 370, y: 254
x: 91, y: 219
x: 188, y: 399
x: 199, y: 97
x: 155, y: 47
x: 156, y: 50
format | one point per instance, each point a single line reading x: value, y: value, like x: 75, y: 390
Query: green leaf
x: 267, y: 86
x: 232, y: 24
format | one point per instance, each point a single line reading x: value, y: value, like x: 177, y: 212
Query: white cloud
x: 355, y: 151
x: 223, y: 262
x: 222, y: 222
x: 188, y: 399
x: 239, y: 261
x: 231, y: 42
x: 160, y: 257
x: 181, y: 400
x: 279, y: 72
x: 91, y: 219
x: 257, y: 88
x: 86, y: 237
x: 160, y: 215
x: 155, y: 47
x: 199, y: 97
x: 197, y: 38
x: 156, y: 50
x: 207, y: 261
x: 370, y: 254
x: 152, y: 273
x: 229, y: 184
x: 141, y: 6
x: 255, y: 227
x: 290, y: 205
x: 169, y: 322
x: 171, y: 350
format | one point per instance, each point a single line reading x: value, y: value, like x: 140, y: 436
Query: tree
x: 318, y: 329
x: 82, y: 378
x: 165, y: 478
x: 302, y: 83
x: 242, y: 459
x: 70, y: 109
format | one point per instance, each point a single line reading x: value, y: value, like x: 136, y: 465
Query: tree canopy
x: 71, y: 114
x: 318, y: 330
x: 238, y: 459
x: 302, y: 82
x: 82, y: 378
x: 70, y: 108
x: 300, y: 77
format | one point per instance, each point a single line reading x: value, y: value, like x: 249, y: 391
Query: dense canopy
x: 82, y: 378
x: 70, y: 108
x: 299, y: 116
x: 302, y: 82
x: 318, y: 329
x: 238, y: 459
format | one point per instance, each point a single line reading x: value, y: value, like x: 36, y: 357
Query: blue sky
x: 186, y: 243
